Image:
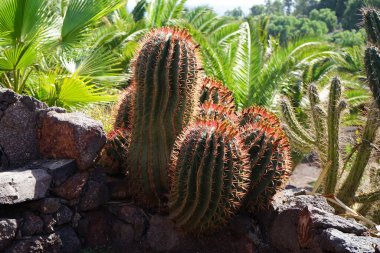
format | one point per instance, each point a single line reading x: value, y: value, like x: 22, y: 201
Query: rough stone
x: 33, y: 104
x: 96, y: 191
x: 31, y: 225
x: 49, y: 223
x: 162, y: 234
x: 60, y: 170
x: 37, y: 244
x: 63, y: 215
x: 322, y: 219
x: 96, y: 229
x: 47, y: 205
x: 8, y: 228
x: 122, y: 236
x: 18, y: 134
x: 70, y: 242
x: 333, y: 240
x: 71, y: 135
x: 22, y: 185
x: 297, y: 223
x: 7, y: 97
x: 72, y: 187
x: 131, y: 215
x: 118, y: 188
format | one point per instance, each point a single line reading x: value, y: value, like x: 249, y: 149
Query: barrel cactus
x: 269, y: 155
x: 209, y: 175
x: 114, y: 153
x: 215, y: 92
x: 165, y: 75
x: 211, y: 111
x: 124, y: 108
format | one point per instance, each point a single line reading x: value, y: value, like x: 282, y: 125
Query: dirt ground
x: 304, y: 175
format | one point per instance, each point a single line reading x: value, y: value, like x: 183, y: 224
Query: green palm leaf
x: 81, y: 14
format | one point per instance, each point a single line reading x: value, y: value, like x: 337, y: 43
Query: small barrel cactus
x: 209, y: 175
x: 165, y: 77
x: 211, y: 111
x: 269, y: 155
x: 215, y: 92
x: 124, y: 108
x: 256, y: 114
x: 114, y: 154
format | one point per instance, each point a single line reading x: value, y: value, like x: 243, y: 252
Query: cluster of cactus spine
x: 165, y: 75
x: 186, y: 138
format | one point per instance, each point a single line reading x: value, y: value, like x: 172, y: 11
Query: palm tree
x: 243, y: 56
x: 46, y: 50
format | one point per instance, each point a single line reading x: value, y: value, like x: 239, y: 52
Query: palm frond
x: 81, y: 14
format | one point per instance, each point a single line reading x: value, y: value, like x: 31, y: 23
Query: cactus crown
x: 211, y: 111
x: 215, y: 92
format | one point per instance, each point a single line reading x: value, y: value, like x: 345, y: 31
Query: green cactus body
x: 211, y: 111
x: 165, y: 76
x: 333, y: 121
x: 115, y: 152
x: 256, y: 114
x: 124, y: 108
x: 215, y: 92
x: 372, y: 25
x: 319, y: 120
x: 209, y: 174
x: 372, y: 65
x: 269, y: 155
x: 293, y: 123
x: 347, y: 192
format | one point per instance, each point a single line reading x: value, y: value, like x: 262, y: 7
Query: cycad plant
x: 243, y: 56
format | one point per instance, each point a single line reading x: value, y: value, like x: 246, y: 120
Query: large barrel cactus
x: 209, y: 175
x: 269, y: 155
x: 165, y: 79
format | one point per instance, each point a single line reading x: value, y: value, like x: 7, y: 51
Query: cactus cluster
x: 322, y: 136
x: 372, y: 54
x: 189, y: 143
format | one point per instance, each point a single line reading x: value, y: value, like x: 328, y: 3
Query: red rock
x: 96, y: 229
x: 71, y: 136
x: 72, y: 188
